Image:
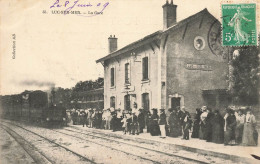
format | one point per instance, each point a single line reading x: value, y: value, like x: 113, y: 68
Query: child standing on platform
x: 124, y: 126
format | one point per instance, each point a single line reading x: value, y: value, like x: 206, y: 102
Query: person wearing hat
x: 108, y: 119
x: 103, y: 119
x: 180, y: 116
x: 217, y: 128
x: 148, y: 117
x: 203, y: 117
x: 92, y: 118
x: 128, y: 122
x: 162, y: 123
x: 134, y: 124
x: 250, y: 135
x: 113, y: 119
x: 89, y: 117
x: 99, y: 119
x: 186, y: 123
x: 240, y: 118
x: 83, y: 118
x: 124, y: 125
x: 229, y: 127
x: 119, y: 117
x: 141, y: 121
x: 135, y: 110
x: 154, y: 126
x: 196, y: 124
x: 74, y: 116
x: 173, y: 123
x: 209, y: 124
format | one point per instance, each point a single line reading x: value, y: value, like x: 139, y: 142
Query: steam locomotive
x: 34, y: 106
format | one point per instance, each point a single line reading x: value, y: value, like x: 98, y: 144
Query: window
x: 112, y: 76
x: 113, y: 102
x: 145, y: 68
x: 127, y: 73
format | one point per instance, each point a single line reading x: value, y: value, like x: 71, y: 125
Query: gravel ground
x: 97, y: 153
x: 102, y: 148
x: 155, y: 146
x: 11, y: 151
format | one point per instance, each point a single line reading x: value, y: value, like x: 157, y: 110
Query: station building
x: 183, y: 64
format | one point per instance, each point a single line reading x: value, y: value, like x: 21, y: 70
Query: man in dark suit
x: 134, y: 124
x: 162, y: 123
x: 186, y: 123
x: 113, y: 120
x: 141, y: 121
x: 180, y: 115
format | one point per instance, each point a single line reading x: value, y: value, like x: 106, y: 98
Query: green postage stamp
x: 239, y: 24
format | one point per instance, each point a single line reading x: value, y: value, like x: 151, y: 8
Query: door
x: 145, y: 101
x: 175, y: 102
x: 127, y: 102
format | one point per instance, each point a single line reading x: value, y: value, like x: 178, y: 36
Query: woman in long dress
x: 196, y: 124
x: 173, y: 123
x: 154, y: 126
x: 217, y: 128
x: 203, y: 117
x: 240, y: 118
x: 249, y: 128
x: 229, y: 128
x: 208, y: 126
x: 148, y: 121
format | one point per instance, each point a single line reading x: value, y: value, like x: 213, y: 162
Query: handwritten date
x: 70, y: 5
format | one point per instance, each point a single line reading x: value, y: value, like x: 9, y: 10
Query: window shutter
x: 127, y: 73
x: 145, y: 68
x: 112, y: 80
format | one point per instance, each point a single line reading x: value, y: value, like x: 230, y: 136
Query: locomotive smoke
x: 37, y: 83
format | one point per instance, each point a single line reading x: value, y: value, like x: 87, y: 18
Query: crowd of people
x: 237, y: 127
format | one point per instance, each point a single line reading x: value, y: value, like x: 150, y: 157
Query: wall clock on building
x: 199, y: 43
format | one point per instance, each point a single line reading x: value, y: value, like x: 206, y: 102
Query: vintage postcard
x: 129, y: 81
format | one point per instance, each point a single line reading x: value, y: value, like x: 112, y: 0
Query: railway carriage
x: 6, y: 106
x: 38, y: 104
x: 16, y: 107
x: 33, y: 106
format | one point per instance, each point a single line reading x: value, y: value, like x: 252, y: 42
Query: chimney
x: 112, y: 44
x: 169, y: 14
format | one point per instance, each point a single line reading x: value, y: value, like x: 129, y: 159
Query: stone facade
x: 183, y: 61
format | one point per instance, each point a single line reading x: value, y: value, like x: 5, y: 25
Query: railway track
x: 155, y: 147
x: 133, y: 154
x: 91, y: 141
x: 37, y: 158
x: 178, y: 157
x: 153, y: 154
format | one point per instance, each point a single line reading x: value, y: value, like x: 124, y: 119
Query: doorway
x: 145, y: 101
x: 175, y: 102
x: 127, y: 102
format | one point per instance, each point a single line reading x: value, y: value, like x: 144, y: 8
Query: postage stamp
x: 239, y: 24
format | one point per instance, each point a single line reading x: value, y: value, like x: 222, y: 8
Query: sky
x: 60, y: 50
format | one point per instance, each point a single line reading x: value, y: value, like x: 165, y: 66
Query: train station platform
x: 235, y: 153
